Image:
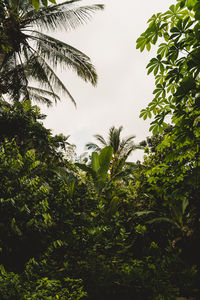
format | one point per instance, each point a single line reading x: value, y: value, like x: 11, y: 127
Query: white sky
x: 123, y: 89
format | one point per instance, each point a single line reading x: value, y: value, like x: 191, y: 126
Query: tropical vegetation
x: 122, y: 148
x: 105, y: 228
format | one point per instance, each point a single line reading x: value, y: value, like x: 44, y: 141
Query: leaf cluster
x: 176, y: 66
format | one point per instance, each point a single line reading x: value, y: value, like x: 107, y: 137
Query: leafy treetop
x: 176, y: 67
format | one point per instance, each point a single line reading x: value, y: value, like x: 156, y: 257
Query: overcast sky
x: 123, y: 89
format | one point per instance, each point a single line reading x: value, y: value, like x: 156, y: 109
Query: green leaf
x: 196, y: 121
x: 145, y: 113
x: 161, y: 219
x: 36, y: 4
x: 30, y: 154
x: 141, y: 42
x: 182, y: 3
x: 197, y: 11
x: 156, y: 128
x: 95, y: 161
x: 143, y: 213
x: 185, y: 204
x: 45, y: 2
x: 155, y: 65
x: 185, y: 86
x: 2, y: 270
x: 148, y: 46
x: 191, y: 3
x: 104, y: 161
x: 163, y: 49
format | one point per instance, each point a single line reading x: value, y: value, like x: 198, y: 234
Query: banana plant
x: 100, y: 164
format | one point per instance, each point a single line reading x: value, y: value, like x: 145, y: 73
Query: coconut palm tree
x: 27, y: 54
x: 122, y: 148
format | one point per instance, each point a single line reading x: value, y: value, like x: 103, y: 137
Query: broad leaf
x: 104, y: 161
x: 36, y: 4
x: 95, y: 161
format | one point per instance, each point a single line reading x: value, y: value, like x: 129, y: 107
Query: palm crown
x: 27, y: 54
x: 122, y: 148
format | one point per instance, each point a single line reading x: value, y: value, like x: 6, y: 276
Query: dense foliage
x: 67, y: 232
x: 106, y: 228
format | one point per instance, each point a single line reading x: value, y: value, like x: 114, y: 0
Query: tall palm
x: 27, y: 54
x: 122, y: 148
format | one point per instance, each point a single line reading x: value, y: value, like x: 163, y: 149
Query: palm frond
x: 101, y: 139
x: 37, y: 68
x: 57, y: 53
x: 30, y: 11
x: 143, y: 213
x: 40, y: 99
x: 35, y: 71
x: 114, y: 138
x: 60, y: 16
x: 127, y: 141
x: 42, y: 96
x: 13, y: 79
x: 127, y: 146
x: 92, y: 146
x: 162, y: 219
x: 43, y: 92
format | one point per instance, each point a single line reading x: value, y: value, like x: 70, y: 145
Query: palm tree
x: 27, y: 54
x: 122, y: 148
